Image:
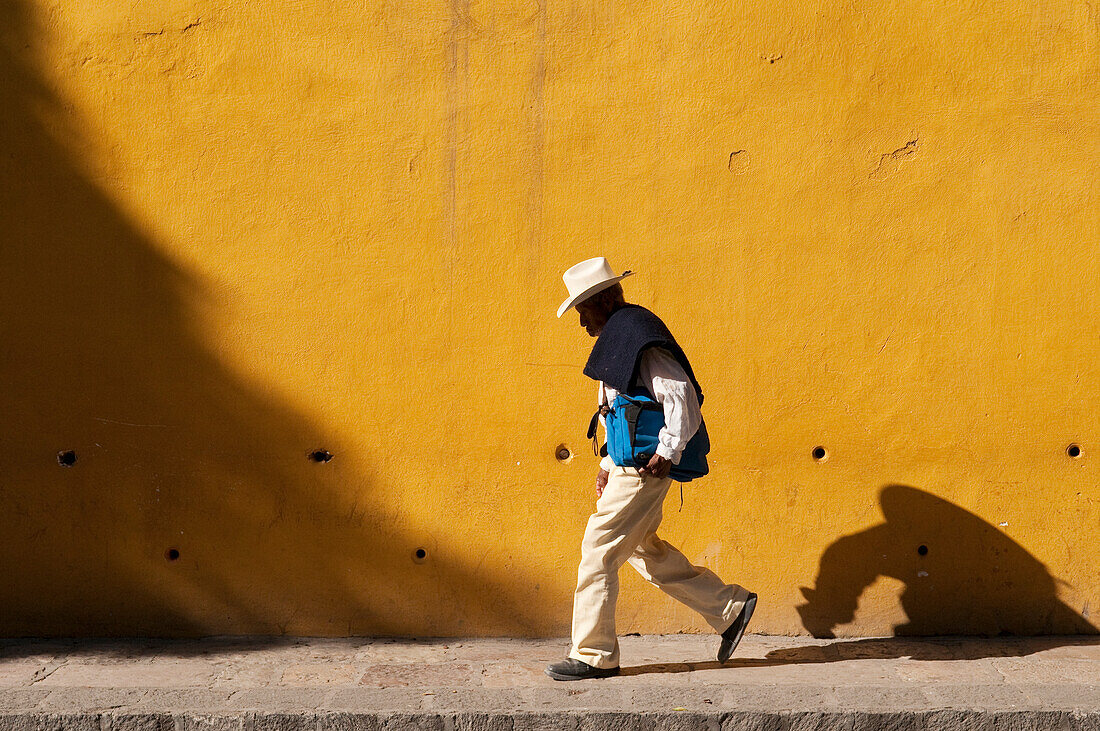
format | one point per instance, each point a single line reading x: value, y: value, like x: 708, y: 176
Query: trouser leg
x: 662, y: 565
x: 628, y: 510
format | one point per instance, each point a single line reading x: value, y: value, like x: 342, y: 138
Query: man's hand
x: 658, y: 466
x: 601, y: 483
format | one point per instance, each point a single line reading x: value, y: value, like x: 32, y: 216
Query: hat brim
x: 594, y: 289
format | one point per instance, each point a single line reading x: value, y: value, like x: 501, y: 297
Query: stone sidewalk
x: 668, y: 682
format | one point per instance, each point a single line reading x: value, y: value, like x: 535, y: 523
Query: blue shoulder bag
x: 633, y: 422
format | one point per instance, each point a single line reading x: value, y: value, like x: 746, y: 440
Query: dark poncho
x: 617, y: 354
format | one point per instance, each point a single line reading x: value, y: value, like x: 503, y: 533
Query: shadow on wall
x: 190, y: 507
x: 962, y: 575
x: 969, y: 579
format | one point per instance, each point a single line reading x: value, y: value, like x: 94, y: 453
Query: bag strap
x: 647, y: 404
x: 604, y: 410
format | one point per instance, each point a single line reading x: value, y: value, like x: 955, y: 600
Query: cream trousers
x: 624, y: 530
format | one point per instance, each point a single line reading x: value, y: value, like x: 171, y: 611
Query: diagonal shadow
x: 105, y: 354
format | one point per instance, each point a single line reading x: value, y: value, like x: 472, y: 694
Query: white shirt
x: 666, y: 379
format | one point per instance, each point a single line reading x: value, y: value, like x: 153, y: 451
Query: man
x: 635, y: 350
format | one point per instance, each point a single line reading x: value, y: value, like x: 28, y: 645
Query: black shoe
x: 732, y: 635
x: 570, y: 669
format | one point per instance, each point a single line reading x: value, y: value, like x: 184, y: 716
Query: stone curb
x: 939, y: 720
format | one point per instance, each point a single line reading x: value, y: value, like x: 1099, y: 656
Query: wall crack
x: 887, y: 162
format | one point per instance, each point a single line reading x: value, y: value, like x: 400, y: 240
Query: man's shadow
x: 962, y: 577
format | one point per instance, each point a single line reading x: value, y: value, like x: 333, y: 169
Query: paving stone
x: 956, y: 672
x: 242, y: 673
x: 20, y: 672
x: 21, y: 699
x: 143, y: 674
x: 514, y: 674
x: 320, y: 673
x: 420, y: 675
x: 78, y: 699
x: 1047, y: 670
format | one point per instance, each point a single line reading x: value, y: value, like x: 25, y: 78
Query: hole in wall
x: 562, y: 453
x: 172, y: 554
x: 320, y: 456
x: 820, y: 454
x: 420, y: 555
x: 66, y: 458
x: 1074, y: 450
x: 922, y: 549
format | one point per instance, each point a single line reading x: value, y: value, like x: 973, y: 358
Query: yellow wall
x: 233, y: 233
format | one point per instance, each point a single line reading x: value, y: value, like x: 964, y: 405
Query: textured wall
x: 234, y: 233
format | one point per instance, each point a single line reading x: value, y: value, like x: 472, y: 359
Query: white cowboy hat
x: 586, y: 279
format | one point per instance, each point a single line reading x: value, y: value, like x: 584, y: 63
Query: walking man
x: 635, y: 355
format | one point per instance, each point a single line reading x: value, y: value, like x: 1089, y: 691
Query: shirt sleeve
x: 670, y: 385
x: 606, y: 464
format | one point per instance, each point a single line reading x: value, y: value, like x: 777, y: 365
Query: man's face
x: 593, y: 317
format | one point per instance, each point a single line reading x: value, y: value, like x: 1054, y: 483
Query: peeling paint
x: 888, y: 162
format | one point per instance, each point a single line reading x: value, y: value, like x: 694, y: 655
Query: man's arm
x: 606, y: 463
x: 671, y: 387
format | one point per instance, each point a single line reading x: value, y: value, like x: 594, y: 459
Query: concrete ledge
x: 563, y: 721
x: 668, y: 682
